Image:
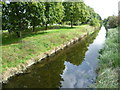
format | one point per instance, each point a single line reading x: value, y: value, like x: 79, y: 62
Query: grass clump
x: 19, y: 50
x: 109, y: 64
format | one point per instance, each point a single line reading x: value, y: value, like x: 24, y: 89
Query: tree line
x: 19, y: 16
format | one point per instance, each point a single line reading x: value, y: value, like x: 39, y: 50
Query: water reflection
x: 83, y: 75
x: 76, y: 53
x: 43, y: 75
x: 72, y: 67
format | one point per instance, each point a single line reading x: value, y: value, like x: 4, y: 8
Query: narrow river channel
x: 73, y: 67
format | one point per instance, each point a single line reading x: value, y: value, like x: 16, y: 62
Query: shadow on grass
x: 12, y: 39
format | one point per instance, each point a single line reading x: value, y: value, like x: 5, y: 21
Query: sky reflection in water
x: 73, y: 67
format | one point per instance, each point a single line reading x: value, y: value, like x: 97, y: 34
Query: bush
x: 95, y: 22
x: 111, y: 22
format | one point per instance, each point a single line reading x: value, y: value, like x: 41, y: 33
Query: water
x: 74, y: 67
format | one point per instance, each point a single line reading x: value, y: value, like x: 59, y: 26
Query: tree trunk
x: 82, y: 23
x: 33, y: 28
x: 18, y: 34
x: 106, y: 30
x: 71, y: 24
x: 9, y: 31
x: 46, y: 26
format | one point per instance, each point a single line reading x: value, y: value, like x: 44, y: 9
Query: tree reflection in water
x: 49, y: 73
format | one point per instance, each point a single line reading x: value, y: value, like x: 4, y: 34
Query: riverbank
x: 16, y: 57
x: 109, y: 64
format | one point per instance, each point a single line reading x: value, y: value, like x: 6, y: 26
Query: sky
x: 104, y: 8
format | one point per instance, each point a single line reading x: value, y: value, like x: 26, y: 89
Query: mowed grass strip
x: 35, y: 44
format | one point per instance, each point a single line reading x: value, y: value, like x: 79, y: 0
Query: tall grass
x: 109, y: 62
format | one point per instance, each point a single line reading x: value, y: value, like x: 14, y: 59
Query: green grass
x: 109, y: 68
x: 0, y: 11
x: 18, y: 50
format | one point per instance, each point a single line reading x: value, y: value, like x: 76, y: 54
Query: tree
x: 49, y: 13
x: 58, y: 12
x: 54, y: 13
x: 17, y: 16
x: 72, y: 10
x: 14, y: 17
x: 35, y: 13
x: 94, y: 18
x: 95, y: 22
x: 5, y: 17
x: 112, y: 21
x: 84, y: 13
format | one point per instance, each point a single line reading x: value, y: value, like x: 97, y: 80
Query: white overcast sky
x: 104, y: 8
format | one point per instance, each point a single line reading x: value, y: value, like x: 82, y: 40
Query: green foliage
x: 110, y: 49
x: 49, y: 13
x: 95, y: 22
x: 19, y: 16
x: 0, y: 12
x: 107, y: 78
x: 75, y: 12
x: 94, y: 18
x: 111, y: 22
x: 84, y: 13
x: 54, y: 13
x: 14, y: 17
x: 35, y: 13
x: 109, y: 62
x: 119, y: 19
x: 5, y: 18
x: 58, y: 12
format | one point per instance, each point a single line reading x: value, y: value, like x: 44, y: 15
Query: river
x: 73, y: 67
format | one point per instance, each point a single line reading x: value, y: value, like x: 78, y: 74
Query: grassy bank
x: 108, y: 73
x: 18, y: 50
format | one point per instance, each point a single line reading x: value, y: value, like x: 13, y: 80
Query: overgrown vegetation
x: 109, y: 62
x: 111, y: 22
x: 18, y: 50
x: 18, y: 17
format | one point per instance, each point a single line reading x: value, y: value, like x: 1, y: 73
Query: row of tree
x: 18, y: 16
